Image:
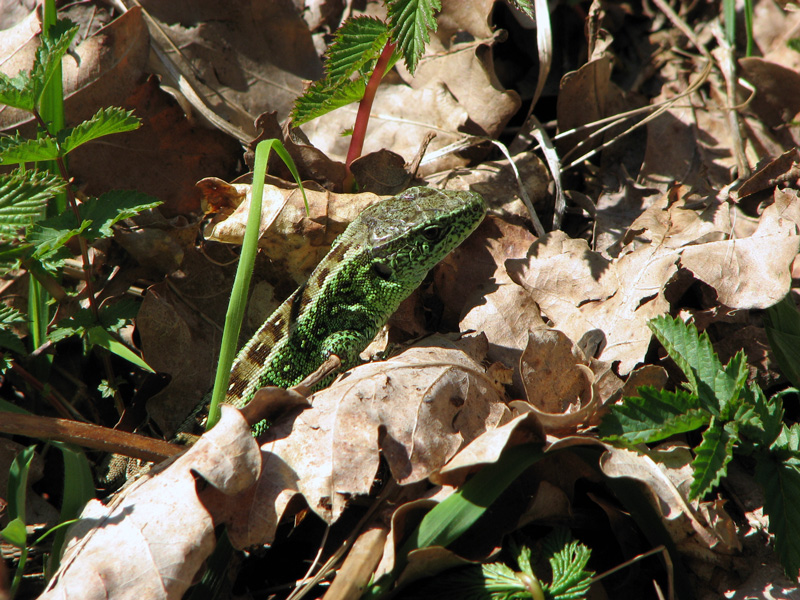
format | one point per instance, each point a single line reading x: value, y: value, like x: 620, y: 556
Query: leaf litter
x: 567, y: 313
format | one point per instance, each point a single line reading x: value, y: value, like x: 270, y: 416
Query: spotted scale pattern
x: 382, y: 256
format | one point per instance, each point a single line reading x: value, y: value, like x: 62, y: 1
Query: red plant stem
x: 364, y: 108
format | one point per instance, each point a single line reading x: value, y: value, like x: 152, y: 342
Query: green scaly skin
x: 382, y: 256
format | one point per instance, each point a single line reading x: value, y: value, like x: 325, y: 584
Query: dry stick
x: 728, y: 67
x: 663, y: 107
x: 88, y: 435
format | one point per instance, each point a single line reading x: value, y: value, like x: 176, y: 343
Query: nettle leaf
x: 23, y: 198
x: 410, y: 21
x: 10, y: 254
x: 319, y: 99
x: 15, y: 150
x: 49, y: 54
x: 49, y: 240
x: 17, y: 91
x: 106, y: 121
x: 694, y: 355
x: 24, y: 90
x: 787, y: 443
x: 568, y: 559
x: 112, y: 207
x: 653, y: 416
x: 781, y: 483
x: 358, y: 42
x: 729, y: 383
x: 712, y: 457
x: 770, y: 414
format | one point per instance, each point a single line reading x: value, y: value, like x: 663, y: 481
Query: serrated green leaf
x: 48, y: 56
x: 694, y: 355
x: 319, y: 99
x: 17, y: 91
x: 781, y: 483
x: 111, y: 208
x: 568, y: 559
x: 106, y: 121
x: 712, y: 457
x: 787, y: 444
x: 10, y: 254
x: 112, y: 317
x: 23, y: 198
x: 15, y: 150
x: 47, y: 241
x: 653, y: 416
x: 730, y: 382
x: 410, y: 21
x: 770, y: 413
x: 358, y: 41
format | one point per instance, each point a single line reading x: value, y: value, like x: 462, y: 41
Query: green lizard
x: 382, y: 256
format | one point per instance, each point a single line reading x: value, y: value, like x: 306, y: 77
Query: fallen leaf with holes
x: 417, y: 410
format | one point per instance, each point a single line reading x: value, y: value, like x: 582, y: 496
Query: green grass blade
x: 100, y: 337
x: 241, y: 283
x: 78, y: 490
x: 448, y: 520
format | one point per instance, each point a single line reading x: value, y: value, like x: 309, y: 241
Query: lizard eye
x: 382, y: 270
x: 433, y: 233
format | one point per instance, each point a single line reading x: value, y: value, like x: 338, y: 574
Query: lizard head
x: 411, y: 232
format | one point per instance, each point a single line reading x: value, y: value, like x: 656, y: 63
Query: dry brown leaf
x: 161, y: 523
x: 736, y: 268
x: 580, y: 291
x: 177, y: 337
x: 253, y: 56
x: 417, y: 409
x: 401, y: 117
x: 560, y: 387
x: 487, y: 447
x: 505, y: 316
x: 293, y: 240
